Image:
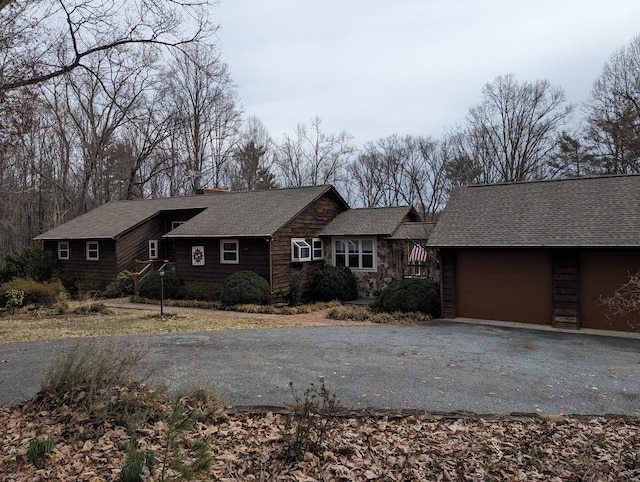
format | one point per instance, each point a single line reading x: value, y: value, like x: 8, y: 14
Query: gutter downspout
x: 270, y: 241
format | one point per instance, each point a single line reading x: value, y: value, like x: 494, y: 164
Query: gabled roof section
x: 368, y: 221
x: 588, y: 212
x: 251, y: 213
x: 417, y: 231
x: 236, y: 214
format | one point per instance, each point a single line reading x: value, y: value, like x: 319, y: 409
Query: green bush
x: 294, y: 296
x: 334, y: 283
x: 32, y: 262
x: 201, y: 291
x: 43, y: 294
x: 245, y: 287
x: 411, y: 294
x: 150, y: 286
x: 122, y: 286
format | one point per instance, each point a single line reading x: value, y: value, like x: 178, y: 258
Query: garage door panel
x: 504, y: 285
x: 601, y: 272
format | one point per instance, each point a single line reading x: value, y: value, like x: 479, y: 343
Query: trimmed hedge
x: 150, y: 286
x: 411, y: 294
x: 245, y: 287
x: 201, y: 290
x: 334, y: 283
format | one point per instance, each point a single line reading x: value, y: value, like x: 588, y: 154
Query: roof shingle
x: 589, y: 212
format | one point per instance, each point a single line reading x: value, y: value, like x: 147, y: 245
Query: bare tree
x: 251, y: 166
x: 614, y: 113
x: 313, y: 157
x: 512, y: 132
x: 44, y: 39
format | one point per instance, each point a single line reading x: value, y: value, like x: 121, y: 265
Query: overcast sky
x: 376, y: 68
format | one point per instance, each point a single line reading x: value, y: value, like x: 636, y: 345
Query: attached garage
x: 504, y: 285
x: 542, y: 252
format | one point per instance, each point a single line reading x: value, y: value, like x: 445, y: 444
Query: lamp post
x: 161, y: 294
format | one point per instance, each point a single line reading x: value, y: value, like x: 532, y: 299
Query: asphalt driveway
x: 439, y: 366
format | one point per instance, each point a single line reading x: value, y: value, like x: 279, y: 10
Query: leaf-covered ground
x: 362, y: 446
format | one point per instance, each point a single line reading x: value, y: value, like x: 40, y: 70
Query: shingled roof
x: 368, y: 221
x: 235, y: 214
x: 588, y: 212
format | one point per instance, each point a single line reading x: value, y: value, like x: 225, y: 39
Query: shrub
x: 201, y: 291
x: 122, y: 286
x: 32, y: 262
x: 334, y: 283
x: 294, y: 296
x: 411, y: 294
x: 33, y: 293
x: 150, y: 286
x: 245, y: 287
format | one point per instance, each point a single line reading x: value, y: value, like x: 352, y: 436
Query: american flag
x: 418, y: 254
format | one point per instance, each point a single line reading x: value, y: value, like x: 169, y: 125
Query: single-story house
x: 542, y: 252
x: 278, y: 233
x: 376, y: 244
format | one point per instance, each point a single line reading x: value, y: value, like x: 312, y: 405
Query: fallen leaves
x: 249, y: 446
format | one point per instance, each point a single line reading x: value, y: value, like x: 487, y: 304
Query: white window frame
x: 153, y: 249
x: 317, y: 249
x: 353, y: 247
x: 197, y: 256
x: 93, y: 254
x: 298, y: 248
x: 64, y: 250
x: 224, y: 251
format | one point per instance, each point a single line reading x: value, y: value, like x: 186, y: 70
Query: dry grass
x: 124, y: 321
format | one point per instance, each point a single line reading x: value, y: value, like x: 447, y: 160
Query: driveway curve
x: 436, y: 366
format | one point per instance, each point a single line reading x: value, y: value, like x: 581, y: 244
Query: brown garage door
x: 507, y: 285
x: 600, y: 273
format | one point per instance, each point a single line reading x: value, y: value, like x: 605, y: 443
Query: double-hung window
x: 317, y: 246
x: 300, y: 250
x: 153, y: 249
x: 93, y: 251
x: 63, y: 249
x: 357, y: 254
x: 229, y: 251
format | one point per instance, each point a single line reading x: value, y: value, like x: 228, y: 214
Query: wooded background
x: 132, y: 99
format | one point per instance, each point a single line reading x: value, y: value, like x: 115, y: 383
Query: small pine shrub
x: 201, y: 291
x: 334, y: 283
x: 150, y: 286
x: 32, y: 262
x: 123, y: 285
x: 294, y: 296
x: 411, y: 294
x: 245, y: 287
x: 41, y: 294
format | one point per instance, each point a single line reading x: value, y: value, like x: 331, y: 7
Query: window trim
x: 300, y: 244
x: 153, y: 248
x: 320, y: 249
x: 66, y: 250
x: 236, y: 251
x: 92, y: 250
x: 175, y: 224
x: 359, y: 253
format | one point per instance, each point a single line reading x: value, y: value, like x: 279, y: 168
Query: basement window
x: 300, y: 250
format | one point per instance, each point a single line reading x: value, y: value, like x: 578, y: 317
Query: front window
x: 229, y: 249
x: 357, y: 254
x: 153, y: 249
x: 63, y: 249
x: 318, y: 248
x: 300, y: 250
x: 93, y: 251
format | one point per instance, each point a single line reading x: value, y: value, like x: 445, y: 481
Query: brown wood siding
x: 253, y: 255
x: 601, y: 272
x: 507, y: 285
x: 566, y: 276
x: 134, y: 244
x: 447, y: 283
x: 307, y: 225
x: 88, y: 273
